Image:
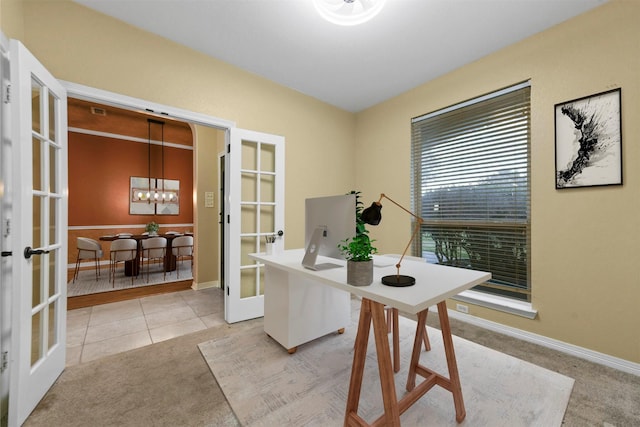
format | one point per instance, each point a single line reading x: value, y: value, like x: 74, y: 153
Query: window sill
x: 507, y: 305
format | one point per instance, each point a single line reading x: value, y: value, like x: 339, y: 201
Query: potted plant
x: 358, y: 251
x: 152, y: 228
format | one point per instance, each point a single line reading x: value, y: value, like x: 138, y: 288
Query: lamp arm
x: 419, y: 222
x: 384, y: 196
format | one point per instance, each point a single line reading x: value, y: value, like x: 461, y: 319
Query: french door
x: 254, y: 212
x: 39, y: 211
x: 5, y: 240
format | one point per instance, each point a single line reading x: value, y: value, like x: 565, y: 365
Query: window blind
x: 471, y: 186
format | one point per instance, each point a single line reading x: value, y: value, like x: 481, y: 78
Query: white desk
x: 297, y: 307
x: 434, y: 284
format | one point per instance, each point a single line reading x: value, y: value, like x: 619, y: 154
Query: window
x: 471, y: 186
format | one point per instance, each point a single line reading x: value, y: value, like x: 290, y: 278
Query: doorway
x: 115, y: 125
x: 248, y: 146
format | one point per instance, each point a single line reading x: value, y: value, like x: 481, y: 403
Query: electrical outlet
x: 462, y: 308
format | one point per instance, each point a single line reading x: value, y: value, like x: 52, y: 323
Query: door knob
x: 28, y: 252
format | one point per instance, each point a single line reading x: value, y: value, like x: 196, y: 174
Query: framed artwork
x: 154, y: 196
x: 171, y: 204
x: 138, y: 200
x: 588, y: 140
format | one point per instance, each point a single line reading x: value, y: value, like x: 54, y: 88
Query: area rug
x: 266, y: 386
x: 86, y: 282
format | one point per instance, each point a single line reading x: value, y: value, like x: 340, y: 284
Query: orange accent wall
x: 99, y: 174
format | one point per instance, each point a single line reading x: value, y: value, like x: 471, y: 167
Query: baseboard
x: 573, y: 350
x: 204, y: 285
x: 90, y: 300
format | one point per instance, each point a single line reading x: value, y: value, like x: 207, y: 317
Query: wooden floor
x: 125, y: 294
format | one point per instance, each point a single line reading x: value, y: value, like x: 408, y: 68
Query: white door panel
x: 5, y: 238
x: 254, y: 212
x: 39, y: 147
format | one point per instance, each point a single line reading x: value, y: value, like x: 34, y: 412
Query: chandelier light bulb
x: 348, y: 12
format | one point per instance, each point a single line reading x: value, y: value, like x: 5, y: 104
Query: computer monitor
x: 335, y: 216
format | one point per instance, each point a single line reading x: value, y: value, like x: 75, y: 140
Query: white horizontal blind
x: 471, y: 186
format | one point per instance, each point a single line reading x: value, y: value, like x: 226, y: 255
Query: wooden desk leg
x: 372, y: 311
x: 454, y: 378
x: 417, y: 348
x: 383, y: 354
x: 357, y: 368
x: 396, y: 340
x: 425, y: 336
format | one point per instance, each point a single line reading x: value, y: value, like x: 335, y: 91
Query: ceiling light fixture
x: 348, y: 12
x: 150, y: 194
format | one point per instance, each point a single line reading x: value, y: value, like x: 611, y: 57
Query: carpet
x: 266, y: 386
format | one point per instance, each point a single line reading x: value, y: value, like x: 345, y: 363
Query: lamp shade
x: 373, y: 214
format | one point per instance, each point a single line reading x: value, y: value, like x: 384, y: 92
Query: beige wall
x: 209, y: 142
x: 586, y: 285
x: 88, y: 48
x: 12, y: 18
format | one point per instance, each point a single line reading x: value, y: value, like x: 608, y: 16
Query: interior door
x: 5, y: 241
x: 254, y: 211
x: 39, y: 139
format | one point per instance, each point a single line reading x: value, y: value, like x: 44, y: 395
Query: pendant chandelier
x: 348, y: 12
x: 155, y: 191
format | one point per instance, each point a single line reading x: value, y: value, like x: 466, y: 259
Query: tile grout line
x: 84, y: 336
x: 186, y: 302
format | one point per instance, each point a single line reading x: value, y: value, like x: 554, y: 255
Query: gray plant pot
x: 360, y: 273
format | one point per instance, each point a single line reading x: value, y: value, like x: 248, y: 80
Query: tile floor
x: 102, y: 330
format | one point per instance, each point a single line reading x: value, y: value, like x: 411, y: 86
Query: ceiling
x: 408, y: 43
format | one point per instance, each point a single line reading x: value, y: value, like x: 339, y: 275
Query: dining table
x: 132, y: 268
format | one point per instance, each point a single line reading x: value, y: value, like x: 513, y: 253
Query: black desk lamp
x: 372, y: 216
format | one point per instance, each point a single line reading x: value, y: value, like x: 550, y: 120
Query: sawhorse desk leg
x: 432, y: 378
x: 373, y: 311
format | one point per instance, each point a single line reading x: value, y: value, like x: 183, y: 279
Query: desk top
x: 434, y: 283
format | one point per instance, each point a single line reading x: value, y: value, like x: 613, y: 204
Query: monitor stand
x: 311, y: 254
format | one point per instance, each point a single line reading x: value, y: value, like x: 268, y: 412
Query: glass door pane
x: 255, y: 191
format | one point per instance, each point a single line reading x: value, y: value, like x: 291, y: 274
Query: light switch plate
x: 208, y: 199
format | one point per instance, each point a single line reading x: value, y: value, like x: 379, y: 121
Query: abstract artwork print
x: 588, y: 136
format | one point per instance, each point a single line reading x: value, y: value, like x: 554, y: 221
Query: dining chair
x: 121, y: 250
x: 182, y: 247
x: 153, y: 249
x: 392, y: 321
x: 88, y: 249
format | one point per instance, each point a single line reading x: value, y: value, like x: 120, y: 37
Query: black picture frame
x: 588, y: 141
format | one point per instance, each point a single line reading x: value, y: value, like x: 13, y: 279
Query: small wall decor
x: 588, y: 137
